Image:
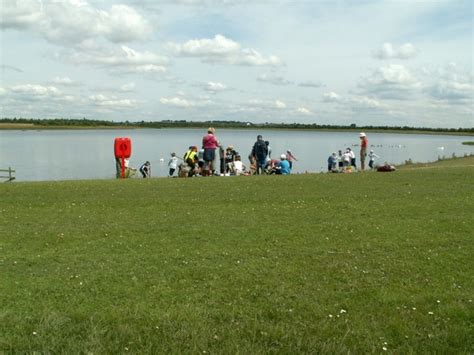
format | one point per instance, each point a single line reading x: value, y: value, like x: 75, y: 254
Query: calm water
x: 88, y: 154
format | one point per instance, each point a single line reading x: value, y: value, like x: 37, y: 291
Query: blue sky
x: 327, y: 62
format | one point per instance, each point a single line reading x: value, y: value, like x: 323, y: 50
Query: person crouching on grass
x: 283, y: 167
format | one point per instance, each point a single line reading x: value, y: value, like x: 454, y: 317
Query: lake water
x: 88, y: 154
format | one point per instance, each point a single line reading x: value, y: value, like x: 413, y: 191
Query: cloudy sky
x: 403, y: 62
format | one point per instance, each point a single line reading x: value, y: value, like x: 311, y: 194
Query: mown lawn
x: 325, y: 263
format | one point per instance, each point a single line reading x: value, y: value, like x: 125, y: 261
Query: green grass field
x: 323, y: 263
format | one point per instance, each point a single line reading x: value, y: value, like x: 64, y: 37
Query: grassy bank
x: 324, y: 263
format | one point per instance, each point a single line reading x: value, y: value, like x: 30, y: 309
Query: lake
x: 38, y: 155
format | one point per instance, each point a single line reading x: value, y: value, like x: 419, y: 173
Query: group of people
x: 201, y: 162
x: 346, y: 162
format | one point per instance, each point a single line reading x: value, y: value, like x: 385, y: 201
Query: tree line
x: 85, y: 122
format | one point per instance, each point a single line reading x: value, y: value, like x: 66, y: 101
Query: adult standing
x: 364, y: 142
x: 259, y: 153
x: 210, y: 143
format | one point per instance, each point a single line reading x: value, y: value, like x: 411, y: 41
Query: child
x: 145, y: 169
x: 372, y: 157
x: 332, y: 162
x: 173, y: 164
x: 238, y: 166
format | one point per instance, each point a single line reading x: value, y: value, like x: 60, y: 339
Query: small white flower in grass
x: 414, y: 308
x: 384, y: 348
x: 430, y: 313
x: 342, y: 311
x: 438, y: 301
x: 34, y: 333
x: 330, y: 316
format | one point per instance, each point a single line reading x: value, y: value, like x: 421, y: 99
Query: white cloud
x: 72, y: 22
x: 177, y: 102
x: 20, y: 14
x: 66, y: 81
x: 364, y: 102
x: 35, y: 90
x: 113, y: 102
x: 452, y: 85
x: 331, y: 97
x: 303, y: 111
x: 2, y: 91
x: 266, y: 104
x: 127, y: 59
x: 391, y: 82
x: 388, y: 51
x: 215, y: 87
x: 222, y: 50
x: 274, y: 79
x: 127, y: 87
x: 280, y: 104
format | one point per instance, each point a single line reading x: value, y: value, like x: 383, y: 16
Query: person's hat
x: 230, y: 147
x: 259, y: 136
x: 334, y: 153
x: 173, y: 154
x: 371, y: 151
x: 283, y: 157
x: 362, y: 134
x: 211, y: 130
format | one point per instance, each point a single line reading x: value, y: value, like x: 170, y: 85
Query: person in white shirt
x: 173, y: 164
x: 353, y: 158
x: 346, y: 158
x: 238, y: 167
x: 372, y: 157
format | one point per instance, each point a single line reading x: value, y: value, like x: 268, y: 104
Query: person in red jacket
x: 364, y: 142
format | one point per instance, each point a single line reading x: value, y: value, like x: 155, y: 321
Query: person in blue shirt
x: 283, y: 167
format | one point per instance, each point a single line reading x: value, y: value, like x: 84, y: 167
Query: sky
x: 387, y: 63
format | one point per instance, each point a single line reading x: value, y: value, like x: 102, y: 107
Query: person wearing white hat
x: 283, y: 167
x: 363, y: 149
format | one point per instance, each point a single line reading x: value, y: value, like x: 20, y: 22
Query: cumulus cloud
x: 66, y: 81
x: 391, y: 82
x: 303, y: 111
x: 331, y: 97
x: 126, y: 59
x: 266, y: 104
x: 222, y: 50
x: 181, y: 102
x: 274, y: 80
x: 2, y: 91
x: 215, y: 87
x: 452, y: 85
x: 72, y: 22
x: 389, y: 51
x: 36, y: 92
x: 364, y: 102
x: 127, y: 87
x: 112, y: 102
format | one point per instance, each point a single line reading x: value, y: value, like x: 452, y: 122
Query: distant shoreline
x: 32, y: 126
